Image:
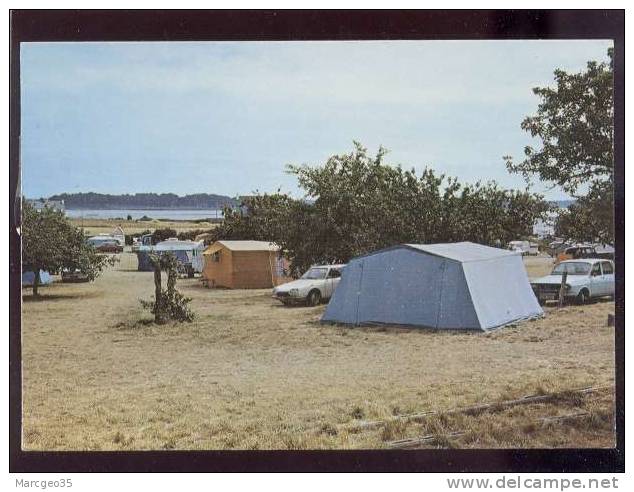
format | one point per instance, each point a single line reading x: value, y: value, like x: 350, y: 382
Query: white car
x: 587, y: 278
x: 524, y: 247
x: 316, y: 285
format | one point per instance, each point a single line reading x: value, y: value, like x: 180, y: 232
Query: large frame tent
x: 444, y: 286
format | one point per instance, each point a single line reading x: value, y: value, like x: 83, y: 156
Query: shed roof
x: 248, y: 245
x: 463, y: 252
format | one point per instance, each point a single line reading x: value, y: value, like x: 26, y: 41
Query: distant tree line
x: 360, y: 204
x: 144, y: 200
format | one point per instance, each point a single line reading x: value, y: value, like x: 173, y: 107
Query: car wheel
x: 582, y: 297
x: 314, y: 297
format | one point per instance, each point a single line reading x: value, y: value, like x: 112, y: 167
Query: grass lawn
x: 249, y: 373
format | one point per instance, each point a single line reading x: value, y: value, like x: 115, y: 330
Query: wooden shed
x: 244, y: 265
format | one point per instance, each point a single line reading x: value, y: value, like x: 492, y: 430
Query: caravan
x: 189, y: 254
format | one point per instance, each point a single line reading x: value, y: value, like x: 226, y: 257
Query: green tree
x: 591, y: 217
x: 50, y: 242
x: 575, y: 124
x: 357, y: 204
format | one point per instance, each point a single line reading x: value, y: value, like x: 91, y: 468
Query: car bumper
x: 552, y: 293
x: 288, y: 299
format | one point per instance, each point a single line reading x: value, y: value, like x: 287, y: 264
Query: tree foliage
x: 163, y: 234
x: 590, y: 218
x: 358, y: 204
x: 51, y: 243
x: 575, y: 124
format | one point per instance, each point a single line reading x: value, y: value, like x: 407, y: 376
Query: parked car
x: 145, y: 240
x: 586, y: 251
x: 105, y: 244
x: 524, y: 247
x: 75, y: 275
x: 315, y: 286
x: 109, y: 247
x: 557, y: 246
x: 587, y: 279
x: 605, y: 251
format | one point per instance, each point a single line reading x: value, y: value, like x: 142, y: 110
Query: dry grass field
x: 99, y: 226
x: 251, y: 374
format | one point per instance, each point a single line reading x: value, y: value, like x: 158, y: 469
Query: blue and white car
x: 587, y: 278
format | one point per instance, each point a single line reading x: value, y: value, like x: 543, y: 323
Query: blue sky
x: 226, y: 117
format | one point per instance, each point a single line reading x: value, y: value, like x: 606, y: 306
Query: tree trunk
x: 36, y: 282
x: 158, y: 301
x: 171, y: 282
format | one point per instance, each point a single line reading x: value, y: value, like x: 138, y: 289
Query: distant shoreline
x: 163, y: 213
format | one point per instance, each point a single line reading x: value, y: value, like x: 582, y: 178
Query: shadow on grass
x: 58, y: 297
x: 134, y: 324
x: 395, y: 329
x: 295, y: 305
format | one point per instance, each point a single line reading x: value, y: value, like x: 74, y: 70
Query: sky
x: 226, y: 117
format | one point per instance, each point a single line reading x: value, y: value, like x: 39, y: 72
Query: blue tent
x: 444, y: 286
x: 146, y: 266
x: 29, y: 277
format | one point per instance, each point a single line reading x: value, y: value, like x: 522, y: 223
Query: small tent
x: 244, y: 265
x: 28, y: 278
x: 444, y: 286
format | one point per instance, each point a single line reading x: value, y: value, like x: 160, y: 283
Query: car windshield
x: 573, y: 268
x: 315, y: 273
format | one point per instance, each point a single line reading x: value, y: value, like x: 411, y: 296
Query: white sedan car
x: 316, y: 285
x: 587, y: 278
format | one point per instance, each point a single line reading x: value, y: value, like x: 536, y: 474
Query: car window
x: 572, y: 268
x: 607, y: 268
x: 596, y: 269
x: 315, y: 274
x: 334, y: 273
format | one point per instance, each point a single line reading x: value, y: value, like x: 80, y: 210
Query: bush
x: 171, y: 307
x: 163, y: 234
x: 167, y: 304
x: 191, y: 235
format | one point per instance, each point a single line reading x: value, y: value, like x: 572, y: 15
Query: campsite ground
x: 251, y: 374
